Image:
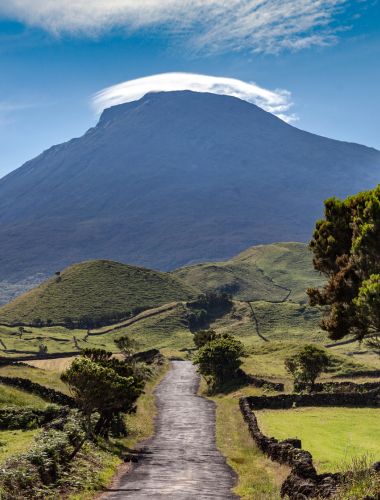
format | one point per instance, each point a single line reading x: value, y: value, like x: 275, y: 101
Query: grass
x: 332, y: 435
x: 95, y: 288
x: 48, y: 378
x: 265, y: 272
x: 360, y: 480
x: 9, y: 396
x: 267, y: 360
x: 257, y: 476
x: 15, y: 442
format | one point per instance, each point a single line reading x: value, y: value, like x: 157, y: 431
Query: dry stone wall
x: 303, y: 481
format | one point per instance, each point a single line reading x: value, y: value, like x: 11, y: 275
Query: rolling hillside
x: 95, y: 289
x: 270, y: 273
x: 170, y: 180
x: 275, y: 273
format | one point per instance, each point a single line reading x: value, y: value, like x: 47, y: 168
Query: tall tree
x: 346, y: 247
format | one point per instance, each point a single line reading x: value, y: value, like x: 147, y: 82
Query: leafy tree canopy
x: 103, y: 385
x: 346, y: 247
x: 203, y: 336
x: 306, y: 365
x: 219, y: 360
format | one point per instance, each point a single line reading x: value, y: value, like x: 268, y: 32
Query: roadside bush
x: 219, y: 360
x: 28, y: 417
x: 104, y: 385
x: 203, y: 336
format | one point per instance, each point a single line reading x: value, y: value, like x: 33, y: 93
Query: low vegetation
x: 257, y: 476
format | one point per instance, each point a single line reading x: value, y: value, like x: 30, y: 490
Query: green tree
x: 202, y: 337
x: 219, y: 360
x: 127, y: 346
x: 106, y: 387
x: 306, y: 366
x: 346, y: 250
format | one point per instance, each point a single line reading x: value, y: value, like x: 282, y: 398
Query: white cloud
x: 277, y: 102
x: 8, y: 110
x: 261, y: 25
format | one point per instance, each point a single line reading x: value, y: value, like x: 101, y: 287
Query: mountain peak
x: 173, y: 178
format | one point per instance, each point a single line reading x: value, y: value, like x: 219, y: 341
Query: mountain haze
x: 172, y: 179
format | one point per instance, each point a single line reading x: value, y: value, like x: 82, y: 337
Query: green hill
x: 275, y: 273
x: 95, y: 289
x: 103, y: 292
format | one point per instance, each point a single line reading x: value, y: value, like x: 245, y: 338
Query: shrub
x: 30, y: 474
x: 219, y: 360
x: 205, y: 307
x: 306, y: 365
x: 202, y: 337
x: 104, y: 385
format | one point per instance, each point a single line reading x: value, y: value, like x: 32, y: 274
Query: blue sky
x: 324, y: 57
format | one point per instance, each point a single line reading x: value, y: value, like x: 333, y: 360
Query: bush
x: 206, y: 307
x: 12, y: 417
x: 202, y: 337
x: 306, y: 365
x: 104, y: 385
x: 219, y: 360
x: 30, y: 474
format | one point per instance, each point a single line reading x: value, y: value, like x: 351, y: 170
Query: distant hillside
x: 96, y: 289
x: 278, y: 272
x: 173, y: 179
x: 275, y: 273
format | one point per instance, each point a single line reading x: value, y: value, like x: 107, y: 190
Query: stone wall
x: 303, y: 481
x: 343, y: 387
x: 260, y: 382
x: 286, y: 401
x: 39, y: 390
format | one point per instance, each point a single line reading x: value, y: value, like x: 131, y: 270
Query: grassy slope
x: 9, y: 396
x: 264, y: 272
x: 332, y: 435
x: 15, y: 442
x: 95, y: 288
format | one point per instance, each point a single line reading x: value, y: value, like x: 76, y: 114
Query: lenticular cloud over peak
x: 277, y: 102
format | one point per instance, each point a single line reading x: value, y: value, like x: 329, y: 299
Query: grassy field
x: 15, y: 442
x: 9, y: 396
x: 95, y: 288
x: 332, y: 435
x: 46, y: 377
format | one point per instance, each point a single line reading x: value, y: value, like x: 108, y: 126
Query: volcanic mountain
x: 172, y: 179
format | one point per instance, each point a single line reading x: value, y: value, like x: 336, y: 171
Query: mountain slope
x: 171, y: 179
x: 96, y: 289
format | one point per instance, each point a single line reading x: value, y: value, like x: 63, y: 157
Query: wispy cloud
x: 277, y: 102
x: 213, y: 25
x: 9, y: 109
